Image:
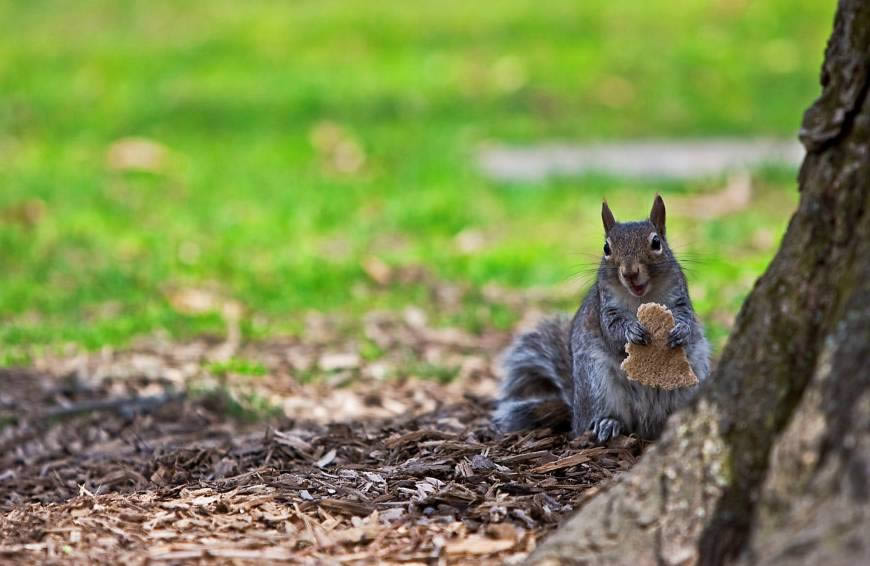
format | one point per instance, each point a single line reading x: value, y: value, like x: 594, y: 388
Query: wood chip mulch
x: 172, y: 478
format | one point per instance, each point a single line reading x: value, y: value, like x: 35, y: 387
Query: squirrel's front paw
x: 605, y: 428
x: 679, y: 335
x: 636, y: 333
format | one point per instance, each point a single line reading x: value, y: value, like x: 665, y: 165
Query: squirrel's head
x: 636, y: 254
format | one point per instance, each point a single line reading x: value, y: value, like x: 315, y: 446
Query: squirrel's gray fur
x: 565, y: 373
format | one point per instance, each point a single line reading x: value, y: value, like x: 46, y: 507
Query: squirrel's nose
x: 630, y: 274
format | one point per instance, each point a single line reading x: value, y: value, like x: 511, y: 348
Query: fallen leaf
x: 377, y: 270
x: 27, y: 213
x: 194, y: 301
x: 338, y: 149
x: 338, y: 361
x: 137, y: 154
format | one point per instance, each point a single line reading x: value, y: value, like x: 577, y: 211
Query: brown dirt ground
x: 102, y: 460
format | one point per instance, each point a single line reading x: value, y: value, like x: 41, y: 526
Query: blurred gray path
x: 657, y: 159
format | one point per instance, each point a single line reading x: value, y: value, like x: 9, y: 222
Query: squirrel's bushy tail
x: 537, y: 391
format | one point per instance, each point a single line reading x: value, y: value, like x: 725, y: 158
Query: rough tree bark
x: 770, y: 465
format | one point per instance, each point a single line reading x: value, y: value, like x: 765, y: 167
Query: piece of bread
x: 657, y: 365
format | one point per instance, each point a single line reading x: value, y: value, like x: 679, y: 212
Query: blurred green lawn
x: 306, y: 136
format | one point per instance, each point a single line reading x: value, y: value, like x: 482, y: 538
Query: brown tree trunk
x: 770, y: 465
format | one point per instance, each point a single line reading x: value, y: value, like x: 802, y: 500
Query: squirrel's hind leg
x: 600, y: 399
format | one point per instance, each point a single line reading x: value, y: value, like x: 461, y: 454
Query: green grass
x: 256, y: 203
x: 238, y: 366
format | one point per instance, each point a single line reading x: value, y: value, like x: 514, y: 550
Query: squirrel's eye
x: 606, y: 249
x: 655, y: 243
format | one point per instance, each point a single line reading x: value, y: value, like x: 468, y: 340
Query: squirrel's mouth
x: 638, y: 289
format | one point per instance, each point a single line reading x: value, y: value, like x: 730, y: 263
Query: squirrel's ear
x: 607, y: 217
x: 657, y: 215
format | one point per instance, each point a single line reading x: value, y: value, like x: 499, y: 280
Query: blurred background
x: 166, y: 166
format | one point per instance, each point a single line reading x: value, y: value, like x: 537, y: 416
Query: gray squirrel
x: 565, y: 373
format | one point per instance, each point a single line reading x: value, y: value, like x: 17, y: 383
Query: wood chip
x: 411, y: 472
x: 569, y: 461
x: 476, y: 544
x: 327, y: 459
